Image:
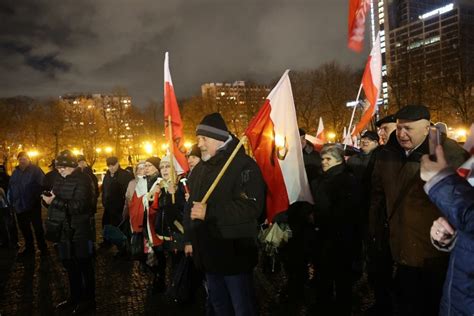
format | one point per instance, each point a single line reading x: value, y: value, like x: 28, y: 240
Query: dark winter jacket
x: 312, y: 162
x: 455, y: 198
x: 113, y: 191
x: 169, y: 220
x: 95, y: 186
x: 410, y: 223
x: 72, y: 206
x: 225, y: 242
x: 336, y: 203
x: 50, y: 179
x: 25, y: 188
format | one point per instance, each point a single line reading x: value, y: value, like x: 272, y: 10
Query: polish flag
x: 275, y: 142
x: 371, y: 82
x: 320, y: 137
x: 175, y: 136
x: 357, y: 12
x: 466, y: 170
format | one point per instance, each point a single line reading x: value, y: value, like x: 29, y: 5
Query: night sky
x: 48, y: 48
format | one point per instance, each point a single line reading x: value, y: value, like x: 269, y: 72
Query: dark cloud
x: 53, y: 47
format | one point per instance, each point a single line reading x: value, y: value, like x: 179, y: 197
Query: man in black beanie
x: 222, y: 233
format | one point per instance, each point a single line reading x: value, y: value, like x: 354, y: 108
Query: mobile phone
x: 434, y: 140
x: 47, y: 193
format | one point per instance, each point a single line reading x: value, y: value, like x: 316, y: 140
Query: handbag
x: 53, y: 229
x: 136, y: 246
x: 180, y: 290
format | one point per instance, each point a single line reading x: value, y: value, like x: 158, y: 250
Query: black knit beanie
x: 66, y: 159
x: 213, y: 126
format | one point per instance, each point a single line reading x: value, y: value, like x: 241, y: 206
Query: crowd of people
x: 373, y: 213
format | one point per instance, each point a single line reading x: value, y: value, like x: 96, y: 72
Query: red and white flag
x: 357, y: 12
x: 466, y: 170
x: 371, y: 83
x: 275, y: 141
x: 175, y: 136
x: 320, y: 138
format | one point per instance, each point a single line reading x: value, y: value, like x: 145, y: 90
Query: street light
x: 331, y: 136
x: 98, y: 150
x: 33, y: 153
x: 108, y: 150
x: 148, y: 148
x: 187, y: 145
x: 76, y: 152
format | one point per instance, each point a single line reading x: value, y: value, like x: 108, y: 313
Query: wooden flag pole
x: 171, y: 145
x: 223, y: 170
x: 349, y: 130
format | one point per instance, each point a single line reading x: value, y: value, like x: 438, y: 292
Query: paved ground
x: 34, y: 286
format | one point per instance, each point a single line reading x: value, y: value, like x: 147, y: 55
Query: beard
x: 205, y: 156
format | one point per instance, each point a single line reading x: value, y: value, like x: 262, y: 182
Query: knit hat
x: 413, y: 113
x: 165, y: 159
x: 213, y: 126
x: 194, y: 151
x: 155, y: 161
x: 371, y: 135
x: 66, y: 159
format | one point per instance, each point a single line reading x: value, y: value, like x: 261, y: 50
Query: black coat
x: 113, y: 191
x: 225, y: 242
x: 336, y: 203
x: 72, y: 206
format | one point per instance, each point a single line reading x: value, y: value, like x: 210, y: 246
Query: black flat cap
x: 371, y: 135
x: 387, y: 119
x: 413, y: 113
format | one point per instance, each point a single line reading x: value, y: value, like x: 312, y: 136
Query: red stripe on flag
x: 171, y: 109
x: 260, y: 133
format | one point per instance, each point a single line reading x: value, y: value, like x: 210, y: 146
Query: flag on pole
x: 274, y: 138
x: 357, y: 12
x: 371, y: 83
x: 320, y: 137
x: 175, y: 137
x: 466, y: 170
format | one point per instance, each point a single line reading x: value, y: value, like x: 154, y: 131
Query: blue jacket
x: 25, y: 188
x: 455, y: 198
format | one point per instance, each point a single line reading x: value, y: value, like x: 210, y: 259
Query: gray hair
x: 335, y: 150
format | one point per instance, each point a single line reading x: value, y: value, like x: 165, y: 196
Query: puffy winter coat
x: 72, y: 206
x: 455, y: 198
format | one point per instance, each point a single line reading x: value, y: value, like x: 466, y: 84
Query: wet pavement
x: 33, y: 286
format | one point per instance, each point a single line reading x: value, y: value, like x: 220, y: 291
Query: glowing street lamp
x: 108, y: 150
x: 187, y: 145
x: 148, y: 148
x: 98, y: 150
x: 33, y: 153
x: 331, y: 136
x: 76, y: 152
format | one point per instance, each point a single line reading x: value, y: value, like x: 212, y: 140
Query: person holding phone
x: 69, y: 205
x: 453, y: 232
x: 396, y: 184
